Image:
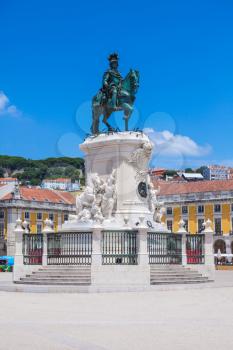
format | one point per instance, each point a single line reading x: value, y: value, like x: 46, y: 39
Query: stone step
x: 76, y: 283
x: 174, y: 271
x: 64, y: 268
x: 164, y: 278
x: 56, y: 278
x: 190, y: 281
x: 175, y: 276
x: 170, y: 270
x: 61, y: 273
x: 168, y: 267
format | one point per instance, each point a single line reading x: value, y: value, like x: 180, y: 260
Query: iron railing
x: 195, y: 248
x: 69, y: 248
x: 32, y: 249
x: 119, y: 248
x: 164, y: 248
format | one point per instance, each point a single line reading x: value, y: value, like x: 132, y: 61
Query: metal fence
x: 119, y: 248
x: 164, y: 248
x: 69, y: 248
x: 195, y: 249
x: 32, y: 249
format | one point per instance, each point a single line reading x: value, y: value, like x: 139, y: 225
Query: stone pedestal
x: 13, y: 214
x: 183, y: 248
x: 129, y: 154
x: 209, y: 255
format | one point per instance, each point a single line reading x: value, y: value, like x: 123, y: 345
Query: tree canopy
x: 33, y: 172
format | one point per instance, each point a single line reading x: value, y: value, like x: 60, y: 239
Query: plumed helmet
x: 113, y: 57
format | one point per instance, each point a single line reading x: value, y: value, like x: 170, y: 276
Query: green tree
x: 2, y: 172
x: 189, y: 170
x: 69, y: 171
x: 169, y: 172
x: 200, y: 170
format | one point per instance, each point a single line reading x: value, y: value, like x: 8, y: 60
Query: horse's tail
x: 95, y: 118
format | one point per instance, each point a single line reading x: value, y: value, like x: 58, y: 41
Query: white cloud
x: 168, y: 144
x: 6, y: 108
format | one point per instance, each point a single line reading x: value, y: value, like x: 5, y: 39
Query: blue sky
x: 53, y: 55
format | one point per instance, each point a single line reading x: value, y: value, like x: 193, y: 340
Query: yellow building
x: 198, y: 201
x: 33, y: 205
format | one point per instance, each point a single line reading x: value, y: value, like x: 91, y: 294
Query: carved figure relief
x: 140, y: 159
x: 97, y: 201
x: 155, y: 206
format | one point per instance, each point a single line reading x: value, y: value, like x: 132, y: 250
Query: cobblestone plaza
x: 167, y: 318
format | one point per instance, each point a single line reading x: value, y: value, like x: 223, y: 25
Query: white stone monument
x: 119, y: 196
x: 118, y: 188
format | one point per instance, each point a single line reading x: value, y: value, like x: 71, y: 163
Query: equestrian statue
x: 116, y: 94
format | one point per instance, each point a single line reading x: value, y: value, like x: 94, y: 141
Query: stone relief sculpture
x: 97, y: 201
x: 109, y: 196
x: 155, y: 206
x: 208, y: 226
x: 140, y: 159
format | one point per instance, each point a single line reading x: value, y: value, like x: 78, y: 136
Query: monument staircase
x: 80, y: 275
x: 75, y: 275
x: 174, y: 274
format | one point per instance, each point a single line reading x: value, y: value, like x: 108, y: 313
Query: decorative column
x: 209, y: 253
x: 228, y: 248
x: 12, y: 215
x: 143, y: 258
x: 183, y: 232
x: 143, y: 255
x: 18, y: 259
x: 48, y: 228
x: 96, y: 260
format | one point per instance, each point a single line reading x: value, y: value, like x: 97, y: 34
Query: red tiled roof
x: 57, y: 180
x: 170, y: 188
x: 43, y: 195
x: 2, y: 179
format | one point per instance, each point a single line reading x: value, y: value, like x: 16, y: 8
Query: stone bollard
x: 18, y: 259
x: 96, y: 246
x: 183, y: 232
x: 209, y: 253
x: 48, y: 228
x: 143, y: 256
x: 183, y: 249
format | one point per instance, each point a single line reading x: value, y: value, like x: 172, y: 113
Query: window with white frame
x: 170, y: 225
x: 39, y: 216
x: 217, y: 208
x: 27, y: 215
x: 200, y: 225
x: 186, y: 225
x: 169, y: 210
x: 200, y: 209
x: 218, y: 225
x: 51, y: 216
x: 39, y: 228
x: 2, y: 214
x: 66, y: 217
x: 184, y: 209
x: 2, y: 227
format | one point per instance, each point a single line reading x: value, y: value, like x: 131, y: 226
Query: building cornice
x: 19, y: 203
x: 226, y: 196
